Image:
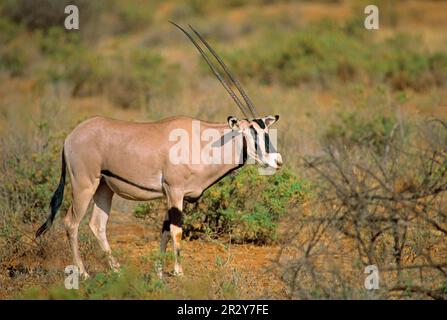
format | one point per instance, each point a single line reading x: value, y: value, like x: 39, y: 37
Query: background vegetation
x: 362, y: 131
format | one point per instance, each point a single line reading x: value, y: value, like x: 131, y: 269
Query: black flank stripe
x: 112, y: 175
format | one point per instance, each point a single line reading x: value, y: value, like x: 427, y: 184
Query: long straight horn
x: 228, y: 72
x: 214, y: 70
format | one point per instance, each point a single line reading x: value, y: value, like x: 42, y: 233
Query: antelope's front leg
x: 175, y: 220
x: 165, y: 235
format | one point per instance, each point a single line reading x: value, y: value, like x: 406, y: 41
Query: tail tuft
x: 43, y: 228
x: 56, y: 201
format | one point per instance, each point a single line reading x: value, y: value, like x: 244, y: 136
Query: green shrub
x: 29, y: 176
x: 400, y: 62
x: 128, y: 79
x: 130, y: 283
x: 15, y: 48
x: 325, y: 51
x: 356, y: 129
x: 137, y: 76
x: 13, y: 61
x: 45, y: 14
x: 9, y: 30
x: 245, y: 205
x: 133, y: 15
x: 146, y: 208
x: 69, y: 61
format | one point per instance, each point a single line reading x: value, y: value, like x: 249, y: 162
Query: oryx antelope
x: 104, y: 157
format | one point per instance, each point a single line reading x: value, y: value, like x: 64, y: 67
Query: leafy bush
x: 130, y: 283
x: 402, y: 64
x: 143, y: 209
x: 134, y: 78
x: 127, y: 78
x: 14, y: 52
x: 70, y: 61
x: 325, y: 51
x: 353, y: 129
x: 133, y: 15
x: 245, y: 205
x: 29, y: 176
x: 13, y: 61
x: 44, y: 14
x: 299, y: 56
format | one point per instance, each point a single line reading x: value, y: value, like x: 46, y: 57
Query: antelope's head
x: 258, y: 142
x: 254, y: 129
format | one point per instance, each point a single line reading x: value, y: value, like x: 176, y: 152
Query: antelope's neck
x: 234, y: 155
x: 232, y: 146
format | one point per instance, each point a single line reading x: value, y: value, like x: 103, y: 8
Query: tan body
x: 138, y: 152
x: 106, y: 157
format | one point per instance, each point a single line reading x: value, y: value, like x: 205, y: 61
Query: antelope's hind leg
x: 82, y: 195
x: 102, y: 202
x: 172, y: 228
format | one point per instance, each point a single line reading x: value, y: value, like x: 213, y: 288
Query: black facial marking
x: 244, y: 151
x: 232, y: 120
x: 267, y: 142
x: 175, y: 217
x: 260, y: 123
x: 269, y: 148
x: 224, y: 139
x: 254, y: 133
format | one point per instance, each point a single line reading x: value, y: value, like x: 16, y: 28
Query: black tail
x: 56, y: 201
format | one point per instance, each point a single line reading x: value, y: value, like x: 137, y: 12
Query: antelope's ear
x: 269, y: 120
x: 233, y: 122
